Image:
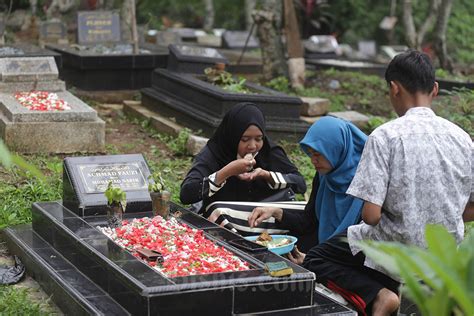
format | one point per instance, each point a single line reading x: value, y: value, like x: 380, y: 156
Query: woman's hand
x: 235, y: 168
x: 296, y: 256
x: 255, y: 174
x: 259, y: 214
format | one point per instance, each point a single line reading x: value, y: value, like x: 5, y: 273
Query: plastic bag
x: 12, y: 275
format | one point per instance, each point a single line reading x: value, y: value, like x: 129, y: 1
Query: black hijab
x: 225, y: 141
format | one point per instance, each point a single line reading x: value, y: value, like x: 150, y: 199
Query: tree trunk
x: 209, y: 18
x: 429, y: 21
x: 268, y: 21
x: 133, y: 22
x: 440, y: 35
x: 296, y: 66
x: 409, y: 24
x: 414, y: 39
x: 249, y: 7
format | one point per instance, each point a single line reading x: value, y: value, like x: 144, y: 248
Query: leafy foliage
x: 458, y: 108
x: 115, y: 195
x: 190, y: 13
x: 225, y: 80
x: 15, y: 301
x: 461, y: 31
x: 446, y: 271
x: 157, y: 184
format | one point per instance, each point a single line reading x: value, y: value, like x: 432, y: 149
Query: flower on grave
x: 185, y: 250
x: 41, y: 101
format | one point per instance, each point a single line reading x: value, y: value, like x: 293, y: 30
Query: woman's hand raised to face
x: 259, y: 214
x: 235, y: 168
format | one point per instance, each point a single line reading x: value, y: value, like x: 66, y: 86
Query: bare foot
x: 385, y: 303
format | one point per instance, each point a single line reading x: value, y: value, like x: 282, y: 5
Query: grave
x: 248, y: 63
x: 193, y: 59
x: 96, y: 27
x: 101, y: 61
x: 366, y: 67
x: 54, y: 32
x: 237, y: 39
x: 165, y: 38
x: 186, y: 34
x: 28, y: 50
x: 321, y: 46
x: 446, y: 85
x: 30, y: 131
x: 200, y: 105
x: 85, y: 272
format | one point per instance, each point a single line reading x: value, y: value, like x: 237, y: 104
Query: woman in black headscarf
x: 240, y: 164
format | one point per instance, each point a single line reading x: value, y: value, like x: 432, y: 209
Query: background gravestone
x: 193, y: 59
x: 85, y: 180
x: 53, y: 32
x: 29, y: 131
x: 98, y: 27
x: 236, y: 40
x: 166, y: 38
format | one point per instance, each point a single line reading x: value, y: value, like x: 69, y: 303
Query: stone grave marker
x: 186, y: 34
x: 367, y: 48
x: 85, y: 180
x: 76, y: 127
x: 193, y: 59
x: 53, y: 32
x: 98, y: 27
x: 165, y: 38
x: 236, y: 40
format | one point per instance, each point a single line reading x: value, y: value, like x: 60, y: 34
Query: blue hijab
x: 341, y: 143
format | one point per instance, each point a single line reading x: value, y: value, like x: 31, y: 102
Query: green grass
x: 15, y: 301
x: 360, y: 92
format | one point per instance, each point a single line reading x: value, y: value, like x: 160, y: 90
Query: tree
x: 440, y: 35
x: 209, y: 17
x: 296, y: 65
x: 269, y: 25
x: 438, y: 15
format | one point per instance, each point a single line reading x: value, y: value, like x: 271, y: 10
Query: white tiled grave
x: 76, y: 130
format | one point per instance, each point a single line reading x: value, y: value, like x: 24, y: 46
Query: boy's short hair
x: 413, y: 70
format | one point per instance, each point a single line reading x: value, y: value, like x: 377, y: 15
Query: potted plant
x: 116, y: 203
x: 160, y: 197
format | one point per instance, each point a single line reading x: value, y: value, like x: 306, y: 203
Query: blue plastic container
x: 279, y: 250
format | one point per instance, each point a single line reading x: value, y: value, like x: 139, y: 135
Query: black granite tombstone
x: 193, y: 59
x: 201, y: 105
x: 237, y: 39
x: 85, y: 272
x: 98, y: 27
x: 446, y: 85
x: 86, y: 178
x: 92, y: 71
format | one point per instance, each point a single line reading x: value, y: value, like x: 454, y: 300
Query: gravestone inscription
x: 85, y: 180
x: 98, y: 27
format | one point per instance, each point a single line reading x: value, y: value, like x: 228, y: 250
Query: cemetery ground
x: 345, y: 90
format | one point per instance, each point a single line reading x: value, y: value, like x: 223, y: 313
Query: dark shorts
x: 339, y: 270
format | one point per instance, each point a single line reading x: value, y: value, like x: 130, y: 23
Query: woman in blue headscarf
x: 335, y: 147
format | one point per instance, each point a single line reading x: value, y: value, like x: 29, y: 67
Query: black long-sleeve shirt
x: 304, y: 224
x: 198, y: 187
